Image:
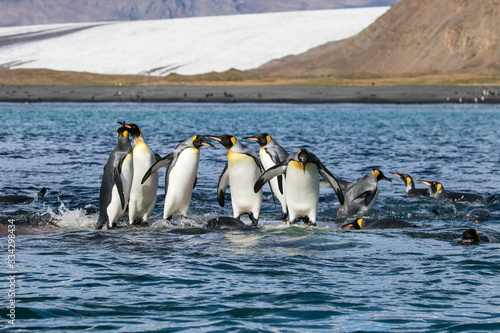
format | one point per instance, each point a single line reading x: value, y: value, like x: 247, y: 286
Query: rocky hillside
x: 28, y: 12
x: 413, y: 37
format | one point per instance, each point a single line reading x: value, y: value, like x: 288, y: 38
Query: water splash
x: 77, y: 218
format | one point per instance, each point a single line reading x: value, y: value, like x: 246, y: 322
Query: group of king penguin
x: 130, y: 180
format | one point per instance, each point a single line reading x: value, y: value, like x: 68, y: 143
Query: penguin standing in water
x: 361, y: 195
x: 271, y: 153
x: 242, y: 170
x: 180, y: 178
x: 385, y: 223
x: 411, y: 191
x: 116, y: 182
x: 438, y: 192
x: 471, y: 236
x: 302, y: 190
x: 142, y: 195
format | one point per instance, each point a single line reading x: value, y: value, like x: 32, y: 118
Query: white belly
x: 267, y: 162
x: 180, y: 183
x: 243, y: 174
x: 142, y: 196
x: 302, y: 191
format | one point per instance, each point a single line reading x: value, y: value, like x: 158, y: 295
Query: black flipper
x: 280, y: 184
x: 270, y: 173
x: 159, y: 164
x: 117, y: 179
x: 222, y: 186
x: 328, y: 176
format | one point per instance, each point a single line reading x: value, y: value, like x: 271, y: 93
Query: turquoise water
x: 70, y: 277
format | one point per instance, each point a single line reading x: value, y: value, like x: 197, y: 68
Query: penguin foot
x: 308, y: 222
x: 140, y: 223
x: 284, y: 216
x: 255, y: 221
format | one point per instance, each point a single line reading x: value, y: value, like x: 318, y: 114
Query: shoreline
x: 390, y: 94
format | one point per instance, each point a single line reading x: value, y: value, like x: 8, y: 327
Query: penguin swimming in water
x: 385, y: 223
x: 302, y: 190
x: 180, y: 178
x: 116, y: 182
x: 438, y: 192
x: 19, y: 199
x: 271, y: 153
x: 471, y: 236
x: 411, y: 191
x: 361, y: 195
x: 479, y: 214
x: 243, y: 168
x: 142, y: 195
x: 225, y: 223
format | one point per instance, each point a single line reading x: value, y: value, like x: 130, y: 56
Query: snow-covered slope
x: 185, y: 46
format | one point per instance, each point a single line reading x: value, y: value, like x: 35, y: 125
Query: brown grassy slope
x: 413, y: 37
x: 24, y: 77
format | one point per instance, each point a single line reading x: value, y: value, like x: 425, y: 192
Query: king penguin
x: 438, y: 192
x: 242, y: 170
x: 361, y: 195
x: 471, y: 236
x: 411, y: 191
x: 116, y: 182
x: 142, y: 196
x: 271, y: 153
x: 385, y: 223
x: 180, y: 178
x: 302, y: 191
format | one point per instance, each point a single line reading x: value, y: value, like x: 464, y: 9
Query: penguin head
x: 470, y: 236
x: 404, y: 177
x: 379, y: 175
x: 133, y: 129
x: 303, y: 157
x: 227, y: 141
x: 122, y: 131
x: 435, y: 186
x: 199, y: 140
x: 356, y: 224
x: 263, y: 138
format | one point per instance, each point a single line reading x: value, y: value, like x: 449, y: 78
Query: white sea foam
x: 77, y: 218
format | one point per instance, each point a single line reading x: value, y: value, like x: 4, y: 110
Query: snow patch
x: 185, y: 46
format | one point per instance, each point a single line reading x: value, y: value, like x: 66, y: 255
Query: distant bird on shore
x: 302, y: 184
x: 411, y: 191
x: 142, y: 195
x: 438, y: 192
x: 181, y: 175
x: 472, y: 236
x: 361, y: 195
x: 116, y: 182
x: 385, y: 223
x: 242, y: 169
x: 271, y: 153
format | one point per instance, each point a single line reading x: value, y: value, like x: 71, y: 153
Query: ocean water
x: 274, y: 278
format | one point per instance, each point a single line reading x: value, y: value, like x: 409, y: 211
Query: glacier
x: 186, y: 46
